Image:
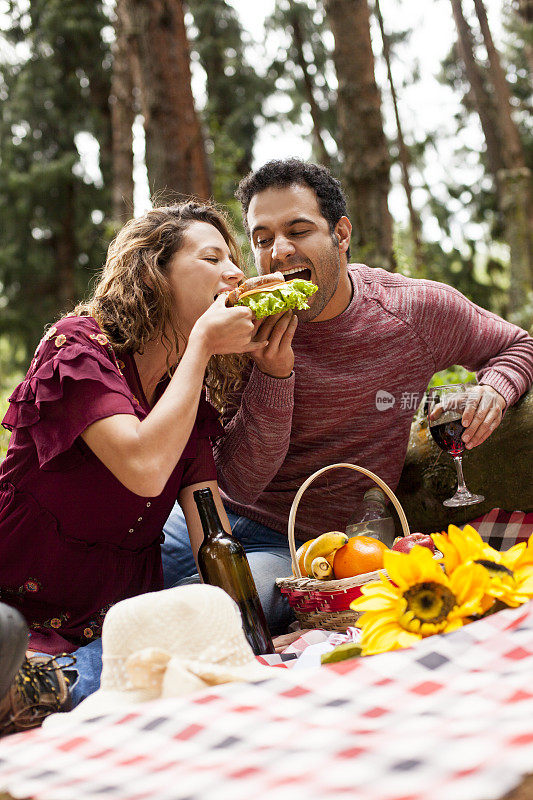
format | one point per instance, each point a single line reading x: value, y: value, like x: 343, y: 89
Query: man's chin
x: 308, y: 314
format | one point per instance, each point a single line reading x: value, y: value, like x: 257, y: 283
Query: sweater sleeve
x: 456, y: 331
x: 256, y: 438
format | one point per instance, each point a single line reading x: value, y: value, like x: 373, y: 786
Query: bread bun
x: 259, y: 283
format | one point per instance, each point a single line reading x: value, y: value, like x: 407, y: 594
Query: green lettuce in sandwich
x: 271, y: 294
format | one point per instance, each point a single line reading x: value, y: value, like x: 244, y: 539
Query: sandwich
x: 271, y: 294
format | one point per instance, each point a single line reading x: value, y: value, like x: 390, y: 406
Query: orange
x: 360, y: 554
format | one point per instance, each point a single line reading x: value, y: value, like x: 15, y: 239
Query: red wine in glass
x: 448, y: 436
x: 445, y: 406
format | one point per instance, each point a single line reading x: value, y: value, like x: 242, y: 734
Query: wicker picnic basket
x: 326, y: 604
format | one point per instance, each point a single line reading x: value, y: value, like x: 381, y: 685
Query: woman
x: 110, y: 424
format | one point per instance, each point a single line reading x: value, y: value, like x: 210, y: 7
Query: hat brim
x: 108, y: 701
x: 220, y: 673
x: 103, y: 701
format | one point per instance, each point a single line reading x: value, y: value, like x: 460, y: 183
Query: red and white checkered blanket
x: 501, y: 529
x: 449, y: 719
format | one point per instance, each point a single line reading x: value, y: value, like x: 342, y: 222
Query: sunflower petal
x: 511, y: 557
x: 469, y: 584
x: 373, y: 602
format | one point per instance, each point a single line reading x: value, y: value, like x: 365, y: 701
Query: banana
x: 323, y: 545
x: 299, y: 556
x: 321, y: 568
x: 299, y: 553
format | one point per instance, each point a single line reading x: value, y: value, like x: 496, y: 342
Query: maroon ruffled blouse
x: 73, y: 539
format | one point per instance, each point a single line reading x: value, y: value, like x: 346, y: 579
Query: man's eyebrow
x: 259, y: 228
x: 300, y: 219
x: 287, y: 224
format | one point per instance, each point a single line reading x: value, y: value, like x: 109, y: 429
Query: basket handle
x: 292, y: 515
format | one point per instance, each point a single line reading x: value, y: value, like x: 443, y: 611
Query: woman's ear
x: 342, y: 232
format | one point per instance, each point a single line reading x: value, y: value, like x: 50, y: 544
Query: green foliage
x: 482, y: 280
x: 235, y: 92
x: 286, y: 70
x: 9, y: 378
x: 54, y: 86
x: 519, y: 43
x: 4, y: 434
x: 524, y: 316
x: 476, y: 201
x: 456, y: 374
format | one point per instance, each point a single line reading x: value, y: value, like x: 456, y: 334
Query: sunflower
x: 510, y: 572
x: 526, y: 556
x: 418, y: 600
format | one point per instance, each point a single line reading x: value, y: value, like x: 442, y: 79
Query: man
x: 367, y: 335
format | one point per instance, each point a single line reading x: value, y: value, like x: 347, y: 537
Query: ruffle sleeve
x: 71, y: 384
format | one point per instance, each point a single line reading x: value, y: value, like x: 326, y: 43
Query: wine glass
x: 445, y: 406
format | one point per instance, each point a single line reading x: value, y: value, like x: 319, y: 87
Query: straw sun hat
x: 168, y: 644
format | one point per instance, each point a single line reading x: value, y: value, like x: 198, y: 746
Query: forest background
x: 105, y: 104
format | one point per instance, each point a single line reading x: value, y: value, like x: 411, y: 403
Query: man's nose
x: 282, y: 248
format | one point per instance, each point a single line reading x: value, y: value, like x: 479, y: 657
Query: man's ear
x: 342, y: 232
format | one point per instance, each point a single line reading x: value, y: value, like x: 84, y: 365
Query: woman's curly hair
x: 133, y: 302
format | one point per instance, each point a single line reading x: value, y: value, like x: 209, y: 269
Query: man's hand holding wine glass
x: 482, y: 415
x: 483, y: 411
x: 447, y: 408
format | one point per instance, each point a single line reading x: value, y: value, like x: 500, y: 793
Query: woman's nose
x: 233, y: 273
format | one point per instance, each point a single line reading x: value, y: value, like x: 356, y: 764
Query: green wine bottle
x: 223, y: 563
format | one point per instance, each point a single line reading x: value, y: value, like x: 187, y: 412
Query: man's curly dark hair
x: 281, y: 173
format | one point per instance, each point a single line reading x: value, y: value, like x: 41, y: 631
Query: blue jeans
x: 268, y: 554
x: 84, y: 674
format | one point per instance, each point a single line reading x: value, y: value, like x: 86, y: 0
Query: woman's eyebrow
x: 213, y: 248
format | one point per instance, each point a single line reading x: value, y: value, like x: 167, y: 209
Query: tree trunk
x: 515, y: 180
x: 122, y: 118
x: 505, y: 159
x: 482, y: 99
x: 309, y: 91
x: 500, y: 469
x: 175, y: 153
x: 366, y: 162
x: 512, y: 153
x: 516, y: 205
x: 403, y: 153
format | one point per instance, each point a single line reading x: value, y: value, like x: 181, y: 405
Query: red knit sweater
x: 395, y: 334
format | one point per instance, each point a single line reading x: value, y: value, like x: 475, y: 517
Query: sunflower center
x: 429, y: 602
x: 495, y: 570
